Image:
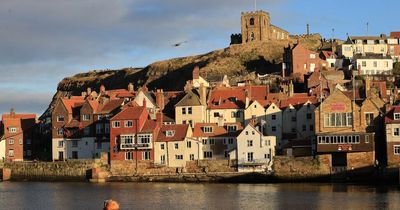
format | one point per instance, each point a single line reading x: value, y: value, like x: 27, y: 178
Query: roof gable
x: 190, y: 99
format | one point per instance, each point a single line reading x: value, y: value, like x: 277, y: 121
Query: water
x: 37, y: 195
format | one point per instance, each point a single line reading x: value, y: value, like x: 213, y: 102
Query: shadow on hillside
x: 175, y: 80
x: 262, y: 66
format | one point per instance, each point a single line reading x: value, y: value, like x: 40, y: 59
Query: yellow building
x: 363, y: 45
x: 191, y: 108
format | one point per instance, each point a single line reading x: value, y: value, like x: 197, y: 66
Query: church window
x: 252, y: 21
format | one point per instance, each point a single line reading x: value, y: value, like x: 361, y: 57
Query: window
x: 250, y: 157
x: 293, y: 119
x: 162, y: 159
x: 293, y: 130
x: 11, y: 153
x: 128, y: 155
x: 216, y: 114
x: 226, y: 154
x: 267, y: 142
x: 311, y: 127
x: 10, y: 141
x: 305, y: 66
x: 191, y: 157
x: 179, y: 157
x: 60, y: 131
x: 126, y: 139
x: 230, y: 141
x: 169, y: 133
x: 397, y: 116
x: 106, y: 128
x: 396, y: 132
x: 28, y: 153
x: 252, y: 21
x: 86, y: 117
x: 184, y: 110
x: 235, y: 114
x: 273, y: 117
x: 396, y: 149
x: 375, y: 64
x: 366, y: 139
x: 207, y: 154
x: 207, y: 129
x: 176, y: 146
x: 99, y: 128
x: 309, y: 116
x: 99, y: 145
x: 13, y: 129
x: 386, y: 64
x: 162, y: 146
x: 28, y: 141
x: 60, y: 118
x: 189, y: 110
x: 273, y: 128
x: 146, y: 155
x: 144, y: 138
x: 347, y: 48
x: 312, y: 56
x: 60, y: 144
x: 369, y: 119
x: 249, y: 143
x: 74, y: 143
x: 189, y: 144
x: 364, y: 64
x: 304, y: 127
x: 338, y: 120
x: 339, y: 139
x: 128, y: 123
x: 115, y: 124
x: 232, y: 128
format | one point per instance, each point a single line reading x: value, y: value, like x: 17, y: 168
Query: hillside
x: 238, y: 62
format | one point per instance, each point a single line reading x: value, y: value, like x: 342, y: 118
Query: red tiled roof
x: 129, y: 113
x: 395, y: 34
x: 226, y: 98
x: 297, y: 99
x: 19, y: 116
x: 94, y: 104
x: 73, y: 102
x: 110, y: 106
x: 389, y: 118
x: 217, y: 131
x: 149, y: 126
x: 179, y: 133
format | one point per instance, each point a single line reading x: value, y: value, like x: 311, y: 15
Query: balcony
x: 133, y: 146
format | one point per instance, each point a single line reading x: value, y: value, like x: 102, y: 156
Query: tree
x: 396, y: 68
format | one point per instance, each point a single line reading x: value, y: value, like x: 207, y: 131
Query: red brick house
x: 17, y: 132
x: 299, y: 61
x: 132, y: 134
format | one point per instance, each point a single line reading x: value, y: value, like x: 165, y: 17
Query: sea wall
x: 290, y: 168
x: 79, y: 170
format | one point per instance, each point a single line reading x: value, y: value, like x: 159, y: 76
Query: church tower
x: 255, y: 26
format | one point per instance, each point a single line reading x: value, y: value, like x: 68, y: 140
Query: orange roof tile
x: 179, y: 133
x: 217, y: 131
x: 73, y: 102
x: 130, y: 113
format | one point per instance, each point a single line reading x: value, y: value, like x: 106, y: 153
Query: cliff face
x: 238, y: 62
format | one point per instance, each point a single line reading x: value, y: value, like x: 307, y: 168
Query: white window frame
x: 146, y: 155
x: 86, y: 117
x: 396, y: 149
x: 116, y: 124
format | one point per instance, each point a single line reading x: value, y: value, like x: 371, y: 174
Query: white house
x: 273, y: 127
x: 254, y: 152
x: 2, y: 150
x: 372, y: 64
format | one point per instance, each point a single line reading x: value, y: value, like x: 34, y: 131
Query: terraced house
x: 16, y: 136
x: 346, y: 126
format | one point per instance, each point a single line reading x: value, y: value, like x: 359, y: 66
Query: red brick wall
x: 393, y: 160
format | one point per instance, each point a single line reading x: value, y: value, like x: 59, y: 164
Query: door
x: 60, y: 155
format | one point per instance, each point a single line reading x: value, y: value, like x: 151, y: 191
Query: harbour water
x: 61, y: 195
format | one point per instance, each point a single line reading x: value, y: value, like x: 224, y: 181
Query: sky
x: 43, y: 41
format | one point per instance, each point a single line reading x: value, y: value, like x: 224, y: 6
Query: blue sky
x: 43, y: 41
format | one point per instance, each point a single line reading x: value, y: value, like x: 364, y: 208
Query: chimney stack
x: 130, y: 88
x: 12, y: 112
x: 160, y: 99
x: 144, y: 103
x: 291, y: 88
x: 102, y: 89
x: 203, y: 95
x: 159, y: 118
x: 367, y: 86
x: 196, y: 72
x: 88, y: 91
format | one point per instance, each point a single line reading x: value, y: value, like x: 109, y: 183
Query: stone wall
x: 78, y: 170
x: 302, y: 167
x: 128, y: 168
x: 359, y: 160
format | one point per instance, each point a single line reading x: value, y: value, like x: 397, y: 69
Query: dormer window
x: 86, y: 117
x: 169, y: 133
x: 60, y: 118
x: 231, y: 128
x: 397, y: 116
x: 208, y: 129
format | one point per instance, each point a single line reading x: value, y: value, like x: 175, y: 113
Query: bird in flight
x: 178, y: 44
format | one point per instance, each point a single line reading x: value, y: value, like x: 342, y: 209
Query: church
x: 256, y: 26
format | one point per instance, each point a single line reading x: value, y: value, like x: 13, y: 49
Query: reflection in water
x: 36, y: 195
